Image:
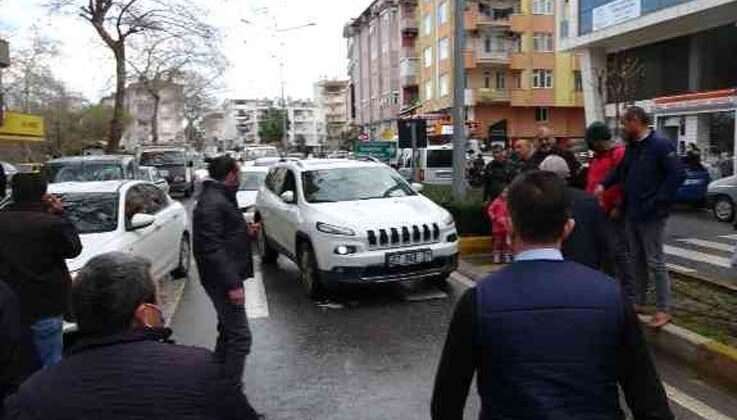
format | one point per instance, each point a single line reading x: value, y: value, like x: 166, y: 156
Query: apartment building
x: 374, y: 44
x: 307, y: 125
x: 684, y: 52
x: 331, y: 98
x: 515, y: 80
x: 140, y: 108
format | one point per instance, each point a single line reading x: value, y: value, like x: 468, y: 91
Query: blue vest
x: 549, y: 336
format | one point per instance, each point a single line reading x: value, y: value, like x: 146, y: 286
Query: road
x: 696, y: 242
x: 371, y: 354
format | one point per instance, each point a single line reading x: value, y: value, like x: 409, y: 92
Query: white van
x: 434, y: 164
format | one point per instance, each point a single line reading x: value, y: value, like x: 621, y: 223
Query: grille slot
x: 397, y: 236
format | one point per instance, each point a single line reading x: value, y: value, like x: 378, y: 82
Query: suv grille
x: 403, y: 236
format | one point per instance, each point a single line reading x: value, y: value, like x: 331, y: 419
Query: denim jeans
x: 646, y: 248
x: 48, y: 340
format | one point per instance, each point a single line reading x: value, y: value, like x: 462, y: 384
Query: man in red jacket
x: 607, y: 156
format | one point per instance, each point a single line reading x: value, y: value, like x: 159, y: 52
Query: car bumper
x: 179, y: 187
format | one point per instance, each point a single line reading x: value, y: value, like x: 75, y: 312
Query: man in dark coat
x: 3, y: 182
x: 124, y: 366
x: 498, y: 173
x: 35, y: 241
x: 546, y: 338
x: 547, y: 145
x: 10, y: 340
x: 222, y: 249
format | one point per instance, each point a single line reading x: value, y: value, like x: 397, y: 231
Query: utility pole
x: 459, y: 103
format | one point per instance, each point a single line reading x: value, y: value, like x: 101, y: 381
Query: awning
x: 22, y: 127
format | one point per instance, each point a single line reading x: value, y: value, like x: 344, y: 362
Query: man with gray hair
x: 124, y: 365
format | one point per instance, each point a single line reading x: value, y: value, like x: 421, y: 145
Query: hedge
x: 469, y: 213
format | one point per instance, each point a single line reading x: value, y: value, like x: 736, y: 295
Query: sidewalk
x: 716, y: 359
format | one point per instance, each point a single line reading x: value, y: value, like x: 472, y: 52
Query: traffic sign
x: 383, y: 150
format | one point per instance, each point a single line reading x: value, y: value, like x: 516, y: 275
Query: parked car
x: 152, y: 175
x: 92, y: 168
x: 173, y: 164
x: 30, y: 168
x: 353, y: 222
x: 694, y: 187
x: 134, y: 217
x: 434, y: 164
x: 721, y: 197
x: 252, y: 153
x: 252, y: 179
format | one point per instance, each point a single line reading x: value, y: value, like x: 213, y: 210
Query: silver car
x: 152, y: 175
x: 722, y: 198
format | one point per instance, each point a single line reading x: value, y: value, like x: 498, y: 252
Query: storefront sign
x: 698, y: 102
x: 615, y: 12
x: 22, y: 127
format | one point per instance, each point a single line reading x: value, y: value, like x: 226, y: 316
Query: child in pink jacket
x: 502, y: 243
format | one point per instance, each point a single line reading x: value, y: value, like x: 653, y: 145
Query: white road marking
x: 460, y: 278
x: 682, y: 269
x: 732, y: 237
x: 257, y: 305
x: 697, y: 256
x: 719, y: 246
x: 693, y: 405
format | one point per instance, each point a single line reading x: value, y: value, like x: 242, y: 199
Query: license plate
x: 403, y: 259
x: 164, y: 172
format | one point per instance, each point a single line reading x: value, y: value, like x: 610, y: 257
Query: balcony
x: 408, y: 71
x: 408, y: 52
x: 476, y: 20
x: 482, y: 96
x: 408, y: 23
x: 500, y: 56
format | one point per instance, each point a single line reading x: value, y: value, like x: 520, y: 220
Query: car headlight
x: 334, y: 230
x: 448, y: 220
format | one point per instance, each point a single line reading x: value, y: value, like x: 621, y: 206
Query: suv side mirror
x: 417, y: 186
x: 140, y: 221
x: 288, y: 197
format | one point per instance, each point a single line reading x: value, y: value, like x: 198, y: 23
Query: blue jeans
x: 646, y: 249
x: 48, y: 340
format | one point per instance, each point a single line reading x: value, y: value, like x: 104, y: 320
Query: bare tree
x: 619, y: 81
x: 115, y: 21
x: 199, y: 99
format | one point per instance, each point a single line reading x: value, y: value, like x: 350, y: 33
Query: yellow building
x: 514, y: 77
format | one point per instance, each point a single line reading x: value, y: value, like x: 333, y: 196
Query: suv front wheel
x: 309, y: 275
x: 268, y: 254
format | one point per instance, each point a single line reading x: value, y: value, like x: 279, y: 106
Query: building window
x: 427, y: 24
x: 542, y: 79
x: 427, y: 57
x: 443, y: 49
x: 443, y: 13
x: 444, y: 85
x: 542, y: 42
x: 577, y: 81
x: 428, y: 90
x: 501, y: 81
x: 541, y: 114
x: 542, y: 7
x: 487, y: 80
x: 487, y: 43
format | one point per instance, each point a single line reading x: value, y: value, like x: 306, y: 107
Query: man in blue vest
x: 548, y: 339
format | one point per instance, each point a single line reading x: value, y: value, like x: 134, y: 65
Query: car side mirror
x: 140, y: 221
x: 417, y: 186
x: 288, y: 197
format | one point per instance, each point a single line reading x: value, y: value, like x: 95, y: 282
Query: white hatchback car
x: 252, y: 179
x: 345, y: 221
x: 134, y: 217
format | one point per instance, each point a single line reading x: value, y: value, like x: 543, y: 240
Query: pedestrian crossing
x: 690, y: 252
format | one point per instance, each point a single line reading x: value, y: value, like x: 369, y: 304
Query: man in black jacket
x: 124, y: 366
x: 548, y: 145
x: 498, y: 173
x: 10, y: 340
x: 3, y: 182
x: 222, y: 249
x: 35, y: 241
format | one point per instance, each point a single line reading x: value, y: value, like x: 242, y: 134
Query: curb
x: 469, y: 245
x: 708, y: 357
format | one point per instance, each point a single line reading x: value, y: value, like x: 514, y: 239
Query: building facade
x: 140, y: 108
x: 685, y: 53
x: 515, y: 79
x: 374, y: 40
x: 331, y: 98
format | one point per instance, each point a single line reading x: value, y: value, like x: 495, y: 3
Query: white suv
x: 345, y: 221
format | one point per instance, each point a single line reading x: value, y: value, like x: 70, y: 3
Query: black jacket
x: 586, y: 243
x: 221, y: 244
x: 3, y: 182
x: 33, y: 249
x: 10, y: 335
x: 132, y: 375
x: 497, y: 175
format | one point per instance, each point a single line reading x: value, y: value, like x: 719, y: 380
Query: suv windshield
x: 161, y: 157
x: 252, y: 181
x: 91, y: 212
x: 84, y: 171
x: 440, y: 158
x: 253, y: 154
x: 349, y: 184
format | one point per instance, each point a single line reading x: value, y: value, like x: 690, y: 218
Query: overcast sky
x: 310, y: 53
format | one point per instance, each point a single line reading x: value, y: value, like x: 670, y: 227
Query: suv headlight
x: 448, y: 220
x: 334, y: 230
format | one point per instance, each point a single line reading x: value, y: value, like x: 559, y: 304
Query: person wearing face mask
x: 222, y: 249
x: 124, y: 366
